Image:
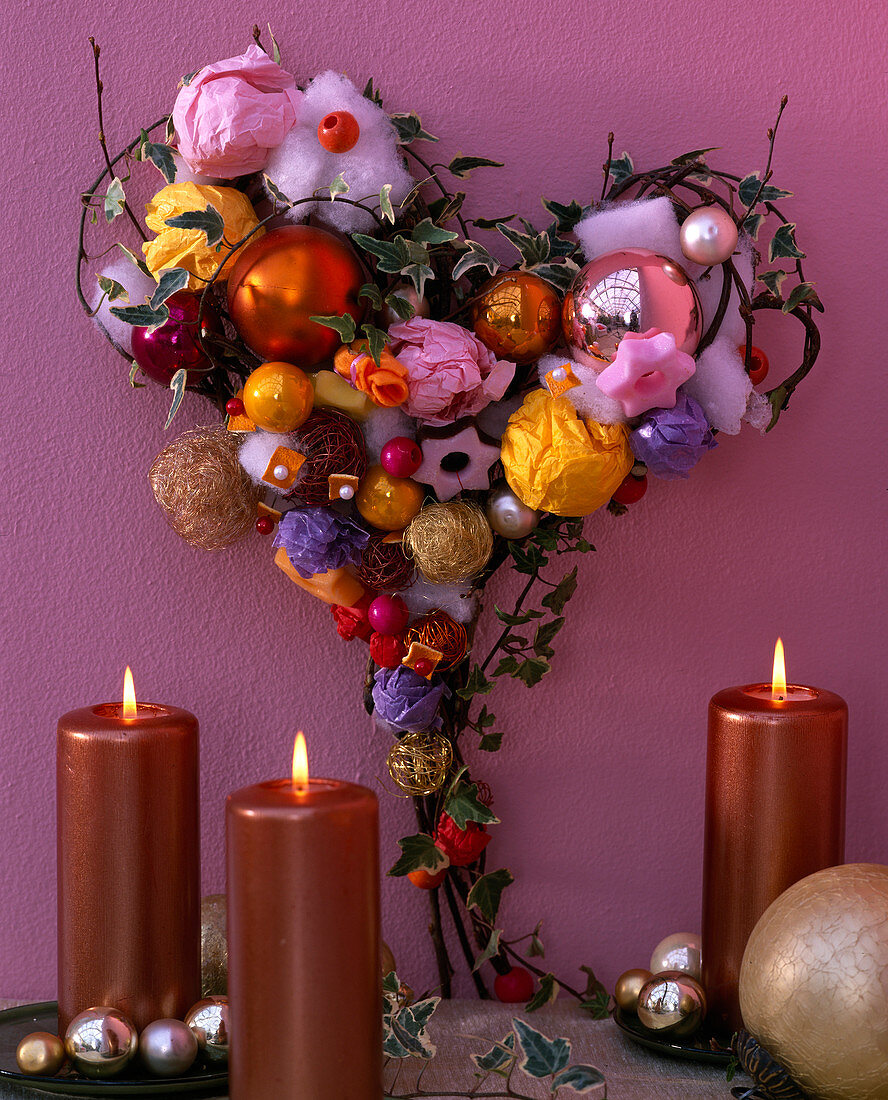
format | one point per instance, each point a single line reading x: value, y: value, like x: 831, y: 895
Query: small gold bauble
x: 40, y: 1052
x: 420, y: 762
x: 813, y: 988
x: 672, y: 1004
x: 101, y: 1041
x: 278, y: 397
x: 518, y: 316
x: 389, y: 503
x: 629, y: 985
x: 213, y: 946
x: 680, y: 951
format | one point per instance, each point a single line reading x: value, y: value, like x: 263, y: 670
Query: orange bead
x: 338, y: 132
x: 389, y: 503
x: 758, y: 365
x: 278, y: 397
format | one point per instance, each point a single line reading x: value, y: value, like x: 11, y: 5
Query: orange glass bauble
x: 518, y: 316
x: 389, y: 503
x: 283, y: 280
x: 278, y: 397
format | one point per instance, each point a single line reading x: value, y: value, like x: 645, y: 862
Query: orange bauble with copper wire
x: 283, y: 280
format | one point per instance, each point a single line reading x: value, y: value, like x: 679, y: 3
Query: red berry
x: 630, y: 490
x: 422, y: 667
x: 425, y: 880
x: 264, y: 525
x: 338, y: 132
x: 513, y: 988
x: 234, y: 407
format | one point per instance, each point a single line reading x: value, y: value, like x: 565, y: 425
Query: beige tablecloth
x: 631, y: 1073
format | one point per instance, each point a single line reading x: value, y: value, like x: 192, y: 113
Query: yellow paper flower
x: 187, y: 248
x: 558, y: 462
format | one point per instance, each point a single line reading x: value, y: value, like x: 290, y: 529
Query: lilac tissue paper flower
x: 318, y: 539
x: 405, y: 700
x: 670, y: 442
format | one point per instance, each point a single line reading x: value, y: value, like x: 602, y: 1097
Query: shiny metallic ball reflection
x: 672, y: 1004
x: 168, y: 1048
x: 680, y: 951
x: 508, y: 515
x: 407, y: 291
x: 101, y: 1041
x: 208, y: 1020
x: 40, y: 1052
x: 708, y: 235
x: 630, y: 290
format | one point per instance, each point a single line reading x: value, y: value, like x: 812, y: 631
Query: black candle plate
x: 16, y: 1023
x: 698, y: 1048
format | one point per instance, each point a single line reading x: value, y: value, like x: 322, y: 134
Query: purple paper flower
x: 318, y: 539
x: 406, y: 700
x: 670, y: 442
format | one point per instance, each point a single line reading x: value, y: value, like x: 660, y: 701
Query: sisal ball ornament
x: 629, y: 985
x: 420, y: 762
x: 814, y: 982
x: 517, y: 315
x: 207, y: 497
x: 388, y: 503
x: 450, y: 542
x: 671, y: 1004
x: 213, y: 945
x: 285, y: 278
x: 278, y: 397
x: 438, y: 631
x: 41, y: 1053
x: 332, y: 444
x: 679, y: 951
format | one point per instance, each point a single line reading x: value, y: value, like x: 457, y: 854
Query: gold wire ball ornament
x: 438, y: 631
x: 450, y: 542
x: 207, y: 496
x: 419, y: 762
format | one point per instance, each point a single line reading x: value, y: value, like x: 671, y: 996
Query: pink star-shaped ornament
x: 455, y: 457
x: 646, y: 372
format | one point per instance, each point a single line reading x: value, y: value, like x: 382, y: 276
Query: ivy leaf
x: 112, y: 289
x: 177, y: 385
x: 426, y: 232
x: 344, y: 325
x: 115, y: 197
x: 783, y: 244
x: 276, y: 193
x: 385, y: 203
x: 372, y: 293
x: 275, y: 49
x: 142, y: 316
x: 528, y: 559
x: 695, y: 154
x: 542, y: 1056
x: 534, y: 248
x: 419, y: 274
x: 461, y: 166
x: 372, y: 93
x: 476, y: 255
x: 752, y: 223
x: 498, y: 1059
x: 531, y: 671
x: 516, y: 620
x: 375, y: 339
x: 596, y: 999
x: 463, y: 806
x: 492, y: 948
x: 137, y: 260
x: 409, y: 129
x: 491, y: 223
x: 580, y: 1078
x: 491, y: 742
x: 559, y: 596
x: 338, y: 187
x: 135, y: 371
x: 486, y: 894
x: 401, y: 306
x: 476, y: 684
x: 160, y: 155
x: 561, y: 276
x: 621, y: 168
x: 545, y: 632
x: 392, y: 255
x: 536, y: 949
x: 772, y: 280
x: 170, y: 281
x: 547, y: 994
x: 508, y: 666
x: 567, y: 217
x: 419, y: 852
x: 208, y: 221
x: 408, y: 1030
x: 748, y: 189
x: 804, y: 292
x: 447, y: 207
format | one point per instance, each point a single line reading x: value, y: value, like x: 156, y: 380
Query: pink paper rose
x: 233, y: 113
x: 450, y: 373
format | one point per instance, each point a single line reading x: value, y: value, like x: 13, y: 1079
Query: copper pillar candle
x: 128, y: 862
x: 303, y: 942
x: 775, y: 812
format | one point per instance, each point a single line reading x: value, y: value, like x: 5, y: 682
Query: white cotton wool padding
x: 758, y: 411
x: 381, y: 426
x: 646, y: 223
x: 139, y: 286
x: 586, y: 398
x: 721, y: 385
x: 494, y: 417
x: 710, y: 289
x: 423, y: 596
x: 300, y: 165
x: 256, y: 451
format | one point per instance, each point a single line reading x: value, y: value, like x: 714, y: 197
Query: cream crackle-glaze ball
x: 814, y: 982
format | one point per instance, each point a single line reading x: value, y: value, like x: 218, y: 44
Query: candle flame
x: 778, y: 677
x: 300, y: 761
x: 129, y: 695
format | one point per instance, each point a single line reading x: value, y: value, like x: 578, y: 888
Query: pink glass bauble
x: 401, y: 457
x: 388, y: 614
x: 175, y: 345
x: 708, y: 235
x: 630, y: 290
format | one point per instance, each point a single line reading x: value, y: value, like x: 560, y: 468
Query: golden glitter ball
x: 40, y: 1053
x: 629, y: 985
x: 213, y: 946
x: 450, y: 542
x: 420, y: 762
x: 518, y: 316
x: 814, y: 982
x: 389, y: 503
x: 278, y: 397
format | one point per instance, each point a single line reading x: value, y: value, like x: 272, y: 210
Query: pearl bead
x: 281, y: 473
x: 346, y: 492
x: 559, y: 374
x: 708, y: 235
x: 508, y: 515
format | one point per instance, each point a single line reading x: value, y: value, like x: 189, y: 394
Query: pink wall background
x: 600, y: 783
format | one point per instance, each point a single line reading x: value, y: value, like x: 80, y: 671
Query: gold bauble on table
x: 420, y: 762
x: 284, y: 279
x: 814, y: 982
x: 518, y: 316
x: 389, y: 503
x: 671, y: 1004
x: 213, y: 946
x: 41, y: 1053
x: 629, y: 985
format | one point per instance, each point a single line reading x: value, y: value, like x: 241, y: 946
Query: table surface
x: 460, y: 1028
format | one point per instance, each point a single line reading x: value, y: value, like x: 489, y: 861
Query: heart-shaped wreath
x: 408, y: 414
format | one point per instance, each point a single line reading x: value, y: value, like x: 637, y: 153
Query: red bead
x: 423, y: 667
x: 425, y: 880
x: 388, y: 614
x: 234, y: 407
x: 338, y: 132
x: 630, y: 490
x: 758, y: 366
x: 175, y: 345
x: 264, y: 525
x: 516, y: 987
x: 401, y: 457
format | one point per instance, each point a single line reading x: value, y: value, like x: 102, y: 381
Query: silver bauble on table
x: 168, y: 1048
x: 101, y: 1041
x: 208, y: 1020
x: 672, y: 1004
x: 679, y: 951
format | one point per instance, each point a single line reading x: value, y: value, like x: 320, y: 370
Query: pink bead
x: 401, y: 457
x: 388, y: 614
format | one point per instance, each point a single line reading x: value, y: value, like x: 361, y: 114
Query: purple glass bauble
x: 175, y: 345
